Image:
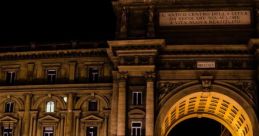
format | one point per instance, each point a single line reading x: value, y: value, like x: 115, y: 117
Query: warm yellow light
x: 213, y: 105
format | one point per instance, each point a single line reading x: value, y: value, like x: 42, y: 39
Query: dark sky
x: 47, y: 22
x: 197, y: 127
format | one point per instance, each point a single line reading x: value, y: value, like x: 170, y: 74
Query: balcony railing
x: 57, y: 81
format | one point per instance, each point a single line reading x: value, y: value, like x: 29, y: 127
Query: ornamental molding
x: 165, y: 88
x: 246, y: 86
x: 48, y: 119
x: 92, y: 118
x: 206, y: 82
x: 53, y: 54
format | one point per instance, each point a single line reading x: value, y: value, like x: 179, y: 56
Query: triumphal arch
x: 174, y: 68
x: 199, y: 60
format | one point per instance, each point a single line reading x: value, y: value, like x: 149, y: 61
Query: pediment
x: 8, y: 119
x: 92, y: 118
x: 48, y: 118
x: 136, y: 113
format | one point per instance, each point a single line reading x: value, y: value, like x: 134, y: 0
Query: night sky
x: 51, y: 22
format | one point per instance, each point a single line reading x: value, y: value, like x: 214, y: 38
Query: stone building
x: 171, y: 61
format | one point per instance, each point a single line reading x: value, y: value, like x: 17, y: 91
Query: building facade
x: 171, y: 61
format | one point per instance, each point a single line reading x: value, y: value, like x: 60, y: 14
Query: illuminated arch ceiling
x: 211, y: 105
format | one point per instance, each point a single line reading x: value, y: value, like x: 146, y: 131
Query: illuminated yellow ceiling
x: 211, y: 105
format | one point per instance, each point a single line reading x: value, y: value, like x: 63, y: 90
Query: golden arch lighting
x: 211, y: 105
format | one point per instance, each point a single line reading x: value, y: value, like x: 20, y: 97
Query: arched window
x: 9, y: 106
x: 50, y: 106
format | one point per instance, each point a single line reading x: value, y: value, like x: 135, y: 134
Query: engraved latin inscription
x: 241, y: 17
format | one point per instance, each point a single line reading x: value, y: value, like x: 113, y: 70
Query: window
x: 137, y: 98
x: 10, y: 77
x: 7, y: 131
x: 48, y: 131
x: 93, y: 74
x: 92, y: 105
x: 65, y: 99
x: 51, y: 75
x: 50, y: 106
x: 91, y: 131
x: 9, y: 106
x: 136, y: 128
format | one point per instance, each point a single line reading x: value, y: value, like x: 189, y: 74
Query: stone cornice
x: 147, y: 47
x: 69, y: 87
x: 136, y: 44
x: 53, y: 54
x: 206, y: 49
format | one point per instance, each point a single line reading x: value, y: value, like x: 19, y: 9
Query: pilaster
x: 22, y: 72
x: 69, y: 125
x: 72, y: 68
x: 150, y: 76
x: 121, y: 125
x: 114, y: 106
x: 27, y: 109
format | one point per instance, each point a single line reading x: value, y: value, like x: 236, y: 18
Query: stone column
x: 34, y: 126
x: 77, y: 125
x: 69, y: 125
x: 150, y: 104
x: 26, y: 116
x: 62, y: 125
x: 114, y: 106
x: 105, y: 126
x: 121, y: 125
x: 77, y: 122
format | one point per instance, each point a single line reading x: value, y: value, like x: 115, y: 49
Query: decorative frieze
x: 247, y: 86
x: 150, y: 75
x: 53, y: 54
x: 214, y: 64
x: 165, y: 87
x: 123, y: 75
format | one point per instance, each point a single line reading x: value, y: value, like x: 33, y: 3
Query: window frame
x: 12, y: 79
x: 92, y: 100
x: 53, y: 80
x: 8, y: 133
x: 93, y: 127
x: 140, y: 128
x: 12, y: 107
x: 137, y: 94
x: 48, y: 132
x: 51, y: 108
x: 90, y: 76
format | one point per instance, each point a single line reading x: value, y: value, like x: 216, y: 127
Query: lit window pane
x: 65, y: 99
x: 50, y: 106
